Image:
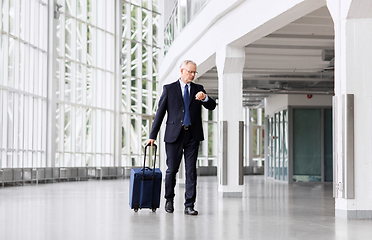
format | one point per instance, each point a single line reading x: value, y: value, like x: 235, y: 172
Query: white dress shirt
x: 189, y: 88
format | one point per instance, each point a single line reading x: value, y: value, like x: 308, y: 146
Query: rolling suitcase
x: 145, y: 186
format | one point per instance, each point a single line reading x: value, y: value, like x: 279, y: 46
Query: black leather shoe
x: 190, y: 211
x: 169, y: 206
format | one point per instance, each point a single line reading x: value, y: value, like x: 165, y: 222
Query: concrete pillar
x: 230, y: 63
x: 353, y: 132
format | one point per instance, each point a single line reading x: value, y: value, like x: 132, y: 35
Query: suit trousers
x: 185, y: 144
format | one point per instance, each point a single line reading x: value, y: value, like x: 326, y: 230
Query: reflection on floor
x: 100, y: 210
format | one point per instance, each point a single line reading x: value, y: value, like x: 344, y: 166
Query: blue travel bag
x: 145, y: 186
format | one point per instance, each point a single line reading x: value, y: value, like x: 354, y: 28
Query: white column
x: 52, y: 81
x: 353, y: 73
x: 230, y: 63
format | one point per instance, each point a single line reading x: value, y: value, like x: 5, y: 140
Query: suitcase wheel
x: 136, y: 209
x: 153, y: 209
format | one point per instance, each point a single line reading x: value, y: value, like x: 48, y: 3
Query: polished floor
x: 99, y: 210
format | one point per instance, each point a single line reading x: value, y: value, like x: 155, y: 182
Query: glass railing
x: 182, y: 13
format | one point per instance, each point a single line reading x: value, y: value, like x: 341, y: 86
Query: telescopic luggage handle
x: 144, y: 161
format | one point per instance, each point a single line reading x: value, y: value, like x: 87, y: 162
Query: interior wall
x: 275, y: 103
x: 313, y: 100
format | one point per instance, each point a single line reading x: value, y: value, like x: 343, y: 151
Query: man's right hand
x: 151, y: 142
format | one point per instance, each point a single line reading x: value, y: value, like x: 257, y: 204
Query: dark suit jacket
x: 171, y: 102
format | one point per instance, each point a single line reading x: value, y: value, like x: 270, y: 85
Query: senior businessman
x: 182, y: 101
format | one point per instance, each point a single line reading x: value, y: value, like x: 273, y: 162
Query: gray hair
x: 185, y: 62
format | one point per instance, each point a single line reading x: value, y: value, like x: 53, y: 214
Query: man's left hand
x: 200, y: 96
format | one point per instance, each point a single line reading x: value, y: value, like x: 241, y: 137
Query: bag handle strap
x: 144, y: 161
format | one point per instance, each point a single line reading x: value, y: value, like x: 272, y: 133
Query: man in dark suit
x: 182, y: 100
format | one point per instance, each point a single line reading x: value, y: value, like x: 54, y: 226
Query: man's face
x: 188, y: 73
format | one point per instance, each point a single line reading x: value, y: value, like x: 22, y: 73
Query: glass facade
x: 311, y: 146
x: 85, y: 83
x: 85, y: 78
x: 140, y: 58
x: 278, y: 146
x: 23, y: 83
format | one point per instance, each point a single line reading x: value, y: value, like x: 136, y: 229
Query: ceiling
x: 296, y: 59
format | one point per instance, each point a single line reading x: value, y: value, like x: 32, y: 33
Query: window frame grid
x: 13, y: 154
x: 96, y: 126
x: 128, y: 39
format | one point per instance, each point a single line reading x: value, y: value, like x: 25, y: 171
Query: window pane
x: 145, y: 96
x: 155, y: 54
x: 67, y: 128
x: 68, y: 81
x: 100, y: 89
x: 145, y: 26
x: 68, y: 37
x: 125, y: 54
x: 110, y: 12
x: 23, y: 25
x: 59, y: 41
x: 69, y: 8
x: 110, y: 89
x: 11, y: 62
x: 43, y: 31
x: 12, y: 17
x: 79, y: 129
x: 59, y: 66
x: 89, y: 87
x: 135, y: 59
x: 81, y: 5
x: 154, y: 97
x: 91, y: 11
x: 125, y: 22
x: 124, y: 94
x: 79, y: 41
x: 100, y: 50
x: 124, y: 132
x: 10, y: 120
x: 145, y: 131
x: 98, y: 131
x: 89, y: 130
x: 155, y: 5
x: 110, y: 43
x: 79, y: 84
x: 134, y: 95
x: 134, y: 22
x: 58, y: 127
x: 146, y: 67
x: 134, y: 135
x: 155, y: 26
x: 101, y: 6
x: 90, y: 45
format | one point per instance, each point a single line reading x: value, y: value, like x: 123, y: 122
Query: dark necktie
x: 186, y: 101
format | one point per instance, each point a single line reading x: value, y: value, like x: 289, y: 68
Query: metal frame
x: 224, y: 159
x: 348, y: 156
